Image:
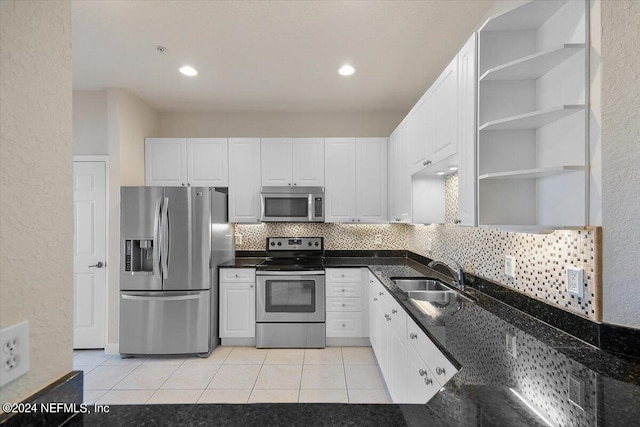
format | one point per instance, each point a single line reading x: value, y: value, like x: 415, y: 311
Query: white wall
x: 90, y: 122
x: 621, y: 161
x: 36, y: 208
x: 278, y: 124
x: 130, y: 120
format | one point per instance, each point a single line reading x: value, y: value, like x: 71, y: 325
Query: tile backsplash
x: 540, y: 259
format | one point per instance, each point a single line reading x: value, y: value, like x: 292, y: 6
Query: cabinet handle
x: 251, y: 286
x: 344, y: 305
x: 343, y: 290
x: 236, y: 275
x: 289, y: 184
x: 295, y: 183
x: 413, y: 336
x: 457, y: 221
x: 422, y: 372
x: 380, y: 293
x: 358, y: 220
x: 394, y: 311
x: 428, y: 381
x: 375, y: 299
x: 370, y: 281
x: 343, y: 275
x: 188, y: 184
x: 440, y: 371
x: 183, y: 184
x: 386, y: 316
x: 398, y: 219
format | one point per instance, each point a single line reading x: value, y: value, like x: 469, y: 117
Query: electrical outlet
x: 510, y: 266
x: 511, y: 345
x: 429, y: 245
x: 238, y: 239
x: 575, y: 281
x: 377, y: 239
x: 14, y: 357
x: 576, y: 391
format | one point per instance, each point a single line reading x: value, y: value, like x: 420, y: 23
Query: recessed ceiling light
x: 188, y: 70
x: 453, y: 168
x: 439, y: 172
x: 346, y: 70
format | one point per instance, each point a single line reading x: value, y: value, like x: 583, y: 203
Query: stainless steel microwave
x: 292, y: 204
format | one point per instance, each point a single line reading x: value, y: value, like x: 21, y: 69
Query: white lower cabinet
x: 413, y: 367
x: 347, y: 314
x: 237, y: 303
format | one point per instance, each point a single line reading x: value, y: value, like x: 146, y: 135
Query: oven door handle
x: 290, y: 273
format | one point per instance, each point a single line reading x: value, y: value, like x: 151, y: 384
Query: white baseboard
x: 348, y: 342
x: 240, y: 342
x: 112, y: 348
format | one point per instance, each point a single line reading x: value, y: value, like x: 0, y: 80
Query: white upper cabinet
x: 165, y: 161
x: 399, y: 176
x: 244, y: 180
x: 533, y: 117
x: 207, y: 164
x: 467, y: 134
x: 442, y: 129
x: 417, y: 134
x: 356, y: 180
x: 186, y: 162
x: 293, y: 161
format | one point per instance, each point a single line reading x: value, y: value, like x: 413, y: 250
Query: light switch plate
x: 238, y: 239
x: 576, y: 391
x: 377, y: 239
x: 510, y: 266
x: 429, y: 245
x: 575, y: 281
x: 511, y: 345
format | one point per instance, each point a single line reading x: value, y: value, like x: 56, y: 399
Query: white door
x: 207, y: 164
x: 443, y: 138
x: 244, y: 180
x: 371, y: 180
x: 276, y: 162
x: 89, y: 249
x: 308, y: 162
x: 165, y: 161
x: 237, y: 310
x: 340, y: 180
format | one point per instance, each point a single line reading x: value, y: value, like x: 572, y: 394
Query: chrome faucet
x: 457, y: 275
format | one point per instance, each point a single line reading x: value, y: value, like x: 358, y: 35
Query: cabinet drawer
x: 237, y: 274
x: 420, y: 381
x: 439, y: 365
x: 343, y: 275
x: 344, y: 324
x: 344, y: 304
x: 344, y: 289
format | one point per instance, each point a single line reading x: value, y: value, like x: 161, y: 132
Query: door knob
x: 99, y: 264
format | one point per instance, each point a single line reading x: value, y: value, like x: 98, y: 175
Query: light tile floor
x: 234, y: 375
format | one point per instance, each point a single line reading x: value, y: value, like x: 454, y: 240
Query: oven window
x: 286, y: 207
x: 290, y: 296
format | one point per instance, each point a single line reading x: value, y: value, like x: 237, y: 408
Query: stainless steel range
x: 290, y: 294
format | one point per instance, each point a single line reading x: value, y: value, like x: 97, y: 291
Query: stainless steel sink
x: 419, y: 284
x: 440, y: 297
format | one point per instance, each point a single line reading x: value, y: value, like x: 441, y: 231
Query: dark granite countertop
x: 242, y: 262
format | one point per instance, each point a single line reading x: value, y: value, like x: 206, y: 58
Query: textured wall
x: 621, y: 161
x: 278, y: 124
x: 90, y: 122
x: 36, y: 209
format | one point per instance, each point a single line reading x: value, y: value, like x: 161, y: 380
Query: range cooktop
x: 293, y: 254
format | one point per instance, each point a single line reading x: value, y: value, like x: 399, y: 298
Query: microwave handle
x: 310, y: 210
x: 261, y: 208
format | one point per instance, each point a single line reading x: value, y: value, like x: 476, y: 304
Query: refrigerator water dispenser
x: 138, y: 255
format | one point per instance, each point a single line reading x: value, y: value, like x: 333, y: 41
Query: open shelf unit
x: 533, y: 155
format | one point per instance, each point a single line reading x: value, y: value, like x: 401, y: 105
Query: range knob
x: 273, y: 243
x: 317, y: 244
x: 279, y: 243
x: 310, y: 243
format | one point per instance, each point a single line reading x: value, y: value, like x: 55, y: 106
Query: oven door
x: 283, y: 296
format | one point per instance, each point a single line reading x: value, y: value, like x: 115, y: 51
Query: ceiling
x: 269, y: 56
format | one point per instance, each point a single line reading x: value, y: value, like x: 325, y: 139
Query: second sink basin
x: 409, y: 284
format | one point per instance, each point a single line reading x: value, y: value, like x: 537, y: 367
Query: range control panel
x: 295, y: 244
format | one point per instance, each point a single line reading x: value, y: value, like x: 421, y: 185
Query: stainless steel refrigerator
x: 172, y: 241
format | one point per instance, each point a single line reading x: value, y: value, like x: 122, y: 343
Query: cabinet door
x: 421, y: 385
x: 207, y: 162
x: 276, y: 162
x: 400, y: 203
x: 467, y: 133
x: 371, y: 180
x: 443, y: 101
x: 308, y: 162
x: 244, y: 180
x: 417, y: 136
x: 340, y: 182
x: 237, y: 310
x: 165, y: 161
x: 396, y: 378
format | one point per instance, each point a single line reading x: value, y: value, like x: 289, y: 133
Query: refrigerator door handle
x: 158, y: 298
x: 165, y: 238
x: 156, y: 238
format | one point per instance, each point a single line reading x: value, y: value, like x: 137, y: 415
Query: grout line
x: 344, y: 371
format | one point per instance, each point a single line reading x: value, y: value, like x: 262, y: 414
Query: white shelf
x: 527, y: 17
x: 533, y: 66
x: 532, y: 120
x: 531, y: 173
